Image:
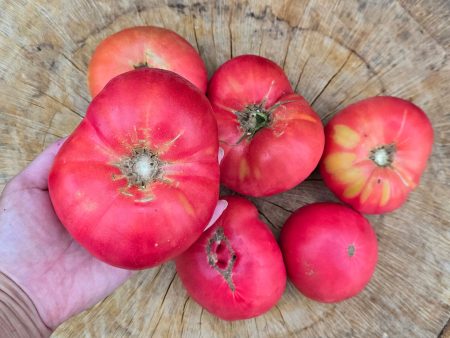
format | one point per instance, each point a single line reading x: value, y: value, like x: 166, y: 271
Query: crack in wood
x: 141, y: 281
x: 213, y: 15
x: 156, y: 275
x: 268, y: 220
x: 156, y: 326
x: 201, y: 321
x: 75, y: 66
x: 162, y: 303
x: 46, y: 132
x: 282, y: 318
x: 182, y: 315
x: 195, y: 33
x: 317, y: 319
x: 445, y: 332
x: 256, y: 324
x: 287, y: 49
x: 331, y: 79
x: 277, y: 205
x: 167, y: 290
x: 37, y: 105
x: 59, y: 102
x: 301, y: 73
x: 230, y: 32
x: 33, y: 125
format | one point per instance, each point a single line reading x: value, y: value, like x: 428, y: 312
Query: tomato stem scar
x: 351, y: 250
x: 141, y: 65
x: 221, y: 256
x: 383, y: 156
x: 141, y: 167
x: 255, y: 117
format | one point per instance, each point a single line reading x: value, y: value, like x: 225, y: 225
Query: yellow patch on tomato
x: 307, y: 117
x: 405, y: 178
x: 338, y: 161
x: 257, y: 173
x: 367, y: 191
x: 244, y: 169
x: 234, y: 85
x: 345, y: 136
x: 349, y: 175
x: 186, y: 204
x: 210, y: 150
x: 354, y: 188
x: 385, y: 193
x: 154, y: 60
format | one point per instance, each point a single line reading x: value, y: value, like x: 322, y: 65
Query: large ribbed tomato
x: 136, y: 183
x: 146, y: 46
x: 271, y: 137
x: 330, y: 251
x: 235, y: 270
x: 375, y: 152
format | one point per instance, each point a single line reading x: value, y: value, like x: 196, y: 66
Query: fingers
x: 221, y: 204
x: 220, y: 208
x: 35, y: 175
x: 220, y: 154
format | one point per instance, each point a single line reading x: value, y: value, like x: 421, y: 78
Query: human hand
x: 61, y: 278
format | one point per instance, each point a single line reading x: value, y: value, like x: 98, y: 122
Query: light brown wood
x: 334, y: 52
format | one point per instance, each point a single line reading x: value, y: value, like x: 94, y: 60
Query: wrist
x: 18, y: 314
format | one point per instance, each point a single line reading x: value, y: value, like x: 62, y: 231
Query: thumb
x: 218, y: 211
x: 221, y: 154
x: 35, y: 175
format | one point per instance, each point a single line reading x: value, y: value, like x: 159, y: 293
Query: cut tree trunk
x: 335, y: 53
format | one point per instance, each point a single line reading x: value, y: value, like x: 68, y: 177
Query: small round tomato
x: 271, y: 137
x: 375, y: 152
x: 136, y: 183
x: 235, y: 270
x: 330, y: 251
x: 147, y: 46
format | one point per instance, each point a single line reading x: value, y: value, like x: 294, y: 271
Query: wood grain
x: 334, y: 52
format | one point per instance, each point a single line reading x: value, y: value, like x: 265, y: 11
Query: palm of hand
x: 37, y: 252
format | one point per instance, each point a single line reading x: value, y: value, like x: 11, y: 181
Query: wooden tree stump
x: 334, y: 53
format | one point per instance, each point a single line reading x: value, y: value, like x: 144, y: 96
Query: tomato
x: 330, y: 251
x: 271, y: 137
x: 136, y: 183
x: 235, y: 270
x: 148, y: 46
x: 375, y: 152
